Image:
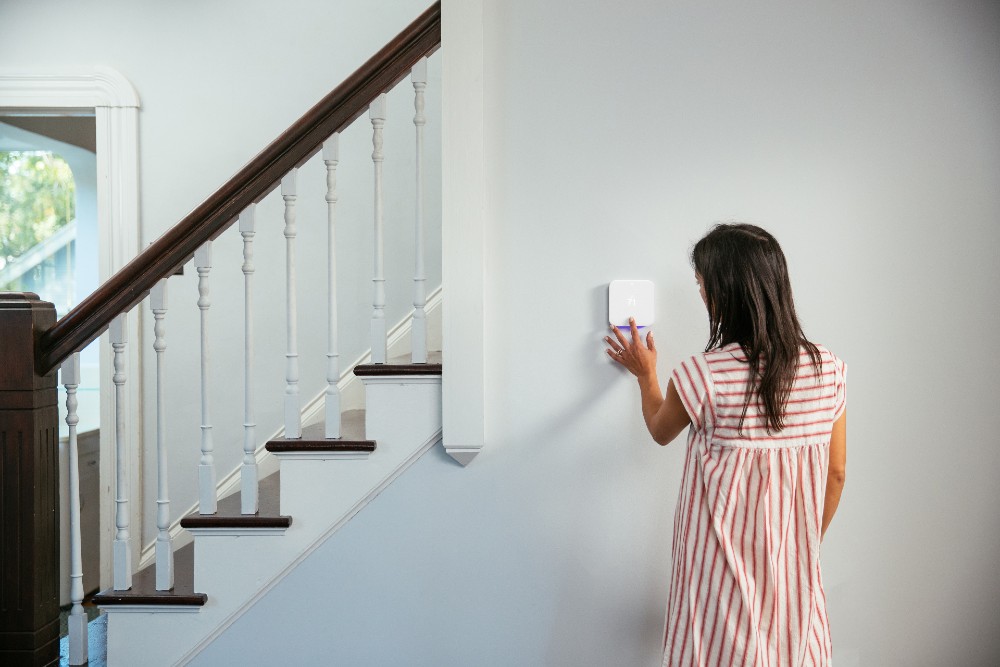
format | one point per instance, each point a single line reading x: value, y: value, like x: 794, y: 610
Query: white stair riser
x: 395, y: 406
x: 407, y: 414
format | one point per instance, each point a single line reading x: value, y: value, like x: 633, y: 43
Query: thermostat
x: 630, y: 298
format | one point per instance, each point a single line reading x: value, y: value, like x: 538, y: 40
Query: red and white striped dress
x: 746, y: 586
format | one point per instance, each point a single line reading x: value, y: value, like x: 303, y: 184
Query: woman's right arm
x: 665, y: 416
x: 836, y: 474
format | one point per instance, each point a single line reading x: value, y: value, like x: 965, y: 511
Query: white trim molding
x: 320, y: 456
x: 463, y: 225
x: 115, y: 104
x: 375, y: 380
x: 112, y: 609
x: 69, y: 88
x: 229, y: 532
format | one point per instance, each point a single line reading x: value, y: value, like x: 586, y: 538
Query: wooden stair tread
x: 228, y: 514
x: 352, y: 432
x: 401, y: 366
x: 144, y: 591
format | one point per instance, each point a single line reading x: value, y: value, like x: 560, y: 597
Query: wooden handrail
x: 262, y: 174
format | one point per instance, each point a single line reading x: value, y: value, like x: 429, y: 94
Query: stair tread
x: 229, y: 515
x: 144, y: 591
x: 401, y: 366
x: 352, y: 437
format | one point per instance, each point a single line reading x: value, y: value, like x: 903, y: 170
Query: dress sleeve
x: 840, y: 387
x: 693, y: 383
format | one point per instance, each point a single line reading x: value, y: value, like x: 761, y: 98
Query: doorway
x: 49, y: 246
x: 105, y: 95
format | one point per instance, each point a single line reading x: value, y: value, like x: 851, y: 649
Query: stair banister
x: 35, y: 343
x: 206, y: 464
x: 250, y: 185
x: 77, y: 621
x: 377, y: 112
x: 248, y: 470
x: 293, y: 406
x: 331, y: 158
x: 418, y: 336
x: 122, y: 547
x: 164, y: 543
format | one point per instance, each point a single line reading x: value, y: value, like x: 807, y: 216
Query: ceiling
x: 76, y: 130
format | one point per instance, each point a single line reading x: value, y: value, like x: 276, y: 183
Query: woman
x: 764, y: 467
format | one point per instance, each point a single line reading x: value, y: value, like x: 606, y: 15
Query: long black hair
x: 749, y: 299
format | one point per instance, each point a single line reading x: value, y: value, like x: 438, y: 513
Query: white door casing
x: 116, y: 110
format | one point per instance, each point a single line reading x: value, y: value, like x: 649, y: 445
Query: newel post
x: 29, y: 487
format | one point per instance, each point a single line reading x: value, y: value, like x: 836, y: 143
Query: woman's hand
x: 665, y: 418
x: 638, y: 357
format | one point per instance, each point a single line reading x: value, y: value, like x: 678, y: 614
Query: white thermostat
x: 630, y: 298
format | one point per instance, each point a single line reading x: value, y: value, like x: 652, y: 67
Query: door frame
x: 116, y: 110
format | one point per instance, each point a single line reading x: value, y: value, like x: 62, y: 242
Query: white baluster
x: 248, y: 471
x: 122, y: 546
x: 293, y: 411
x: 164, y: 544
x: 418, y: 331
x: 377, y: 112
x: 331, y: 156
x: 207, y: 502
x: 77, y: 617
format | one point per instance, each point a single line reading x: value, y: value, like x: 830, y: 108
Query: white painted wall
x: 865, y: 136
x: 217, y: 84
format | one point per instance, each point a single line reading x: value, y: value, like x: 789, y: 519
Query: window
x: 38, y: 226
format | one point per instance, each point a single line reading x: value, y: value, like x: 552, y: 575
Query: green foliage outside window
x: 36, y: 200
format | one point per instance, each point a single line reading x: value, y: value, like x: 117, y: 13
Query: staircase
x: 247, y: 542
x: 236, y: 558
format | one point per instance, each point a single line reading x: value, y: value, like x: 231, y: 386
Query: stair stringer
x: 321, y: 495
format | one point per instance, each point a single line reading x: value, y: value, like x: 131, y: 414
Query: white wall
x: 865, y: 136
x: 217, y: 84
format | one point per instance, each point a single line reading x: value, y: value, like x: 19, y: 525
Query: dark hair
x: 749, y: 299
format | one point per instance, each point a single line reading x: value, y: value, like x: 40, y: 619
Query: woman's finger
x: 618, y: 334
x: 617, y: 356
x: 635, y: 331
x: 615, y: 347
x: 649, y: 342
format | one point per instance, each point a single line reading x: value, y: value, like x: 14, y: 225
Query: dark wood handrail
x: 262, y: 174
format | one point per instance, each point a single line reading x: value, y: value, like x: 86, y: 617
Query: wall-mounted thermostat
x: 630, y: 298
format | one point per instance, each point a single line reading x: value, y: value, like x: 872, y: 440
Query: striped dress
x: 746, y: 586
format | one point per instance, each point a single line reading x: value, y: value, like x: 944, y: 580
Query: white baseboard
x: 352, y: 398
